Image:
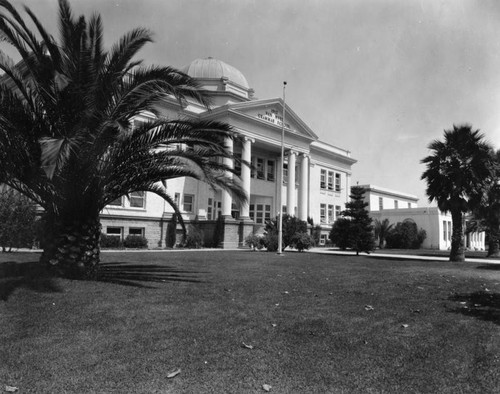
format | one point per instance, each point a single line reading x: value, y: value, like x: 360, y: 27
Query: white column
x: 226, y: 196
x: 290, y: 197
x: 246, y: 156
x: 304, y: 187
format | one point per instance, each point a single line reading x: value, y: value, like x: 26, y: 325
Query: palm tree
x: 66, y: 135
x: 457, y: 176
x: 382, y: 228
x: 486, y: 217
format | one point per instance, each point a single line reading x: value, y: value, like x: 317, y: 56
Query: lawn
x: 235, y: 321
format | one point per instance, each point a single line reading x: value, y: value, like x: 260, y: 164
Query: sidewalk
x: 400, y: 256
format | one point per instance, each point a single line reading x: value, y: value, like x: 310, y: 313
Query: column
x: 290, y: 197
x: 246, y: 156
x: 227, y: 200
x: 304, y: 187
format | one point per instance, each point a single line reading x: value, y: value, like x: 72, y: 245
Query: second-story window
x: 322, y: 179
x: 270, y: 170
x: 137, y: 199
x: 330, y: 180
x: 260, y: 168
x: 188, y: 203
x: 337, y: 182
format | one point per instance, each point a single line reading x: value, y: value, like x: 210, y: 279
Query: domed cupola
x: 216, y: 76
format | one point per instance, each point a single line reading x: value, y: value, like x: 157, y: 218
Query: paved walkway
x: 401, y: 256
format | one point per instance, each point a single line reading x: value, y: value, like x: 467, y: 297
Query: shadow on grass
x: 491, y: 267
x: 133, y: 274
x: 480, y: 304
x: 31, y: 275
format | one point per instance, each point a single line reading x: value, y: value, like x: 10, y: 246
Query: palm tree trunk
x: 457, y: 253
x: 71, y: 248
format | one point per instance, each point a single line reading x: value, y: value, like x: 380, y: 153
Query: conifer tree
x: 359, y: 229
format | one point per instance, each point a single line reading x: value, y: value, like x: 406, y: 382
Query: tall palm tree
x: 486, y: 217
x: 457, y: 175
x: 66, y: 135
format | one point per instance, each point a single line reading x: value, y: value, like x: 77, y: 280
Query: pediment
x: 270, y: 113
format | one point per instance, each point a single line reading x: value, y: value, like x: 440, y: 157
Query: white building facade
x: 399, y: 207
x: 315, y: 185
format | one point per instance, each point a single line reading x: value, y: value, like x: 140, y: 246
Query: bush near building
x: 291, y: 226
x: 135, y: 242
x: 405, y: 235
x: 111, y: 242
x: 17, y: 220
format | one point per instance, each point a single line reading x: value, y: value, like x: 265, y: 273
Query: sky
x: 380, y: 78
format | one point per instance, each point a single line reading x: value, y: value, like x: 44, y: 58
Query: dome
x: 211, y: 68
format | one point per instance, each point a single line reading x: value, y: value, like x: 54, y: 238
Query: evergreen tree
x: 359, y: 230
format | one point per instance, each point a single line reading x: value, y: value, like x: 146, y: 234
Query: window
x: 260, y: 213
x: 210, y: 209
x: 114, y: 231
x: 395, y: 204
x: 260, y: 168
x: 188, y: 203
x: 252, y: 167
x: 235, y: 211
x: 139, y: 231
x: 285, y: 172
x: 337, y: 211
x: 409, y: 205
x: 322, y: 213
x: 322, y: 179
x: 237, y: 163
x: 380, y: 203
x: 322, y: 239
x: 284, y: 210
x: 270, y: 170
x: 117, y: 203
x: 137, y: 199
x: 449, y: 231
x: 330, y: 214
x: 337, y: 182
x: 330, y: 180
x: 444, y: 230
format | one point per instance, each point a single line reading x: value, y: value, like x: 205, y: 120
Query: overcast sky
x: 381, y: 78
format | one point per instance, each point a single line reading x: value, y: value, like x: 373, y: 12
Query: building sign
x: 272, y: 116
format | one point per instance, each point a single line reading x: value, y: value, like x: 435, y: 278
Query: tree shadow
x: 491, y: 267
x: 480, y: 304
x: 30, y: 275
x: 136, y: 274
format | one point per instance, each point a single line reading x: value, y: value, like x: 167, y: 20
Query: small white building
x: 399, y: 207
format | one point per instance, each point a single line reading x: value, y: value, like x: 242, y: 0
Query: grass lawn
x: 317, y: 324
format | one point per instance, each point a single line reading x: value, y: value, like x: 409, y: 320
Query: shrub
x: 171, y: 232
x: 17, y: 220
x: 291, y: 225
x: 302, y: 241
x: 270, y: 241
x: 194, y: 238
x: 339, y: 233
x: 254, y: 241
x: 110, y: 241
x: 316, y: 234
x: 405, y: 235
x: 135, y: 241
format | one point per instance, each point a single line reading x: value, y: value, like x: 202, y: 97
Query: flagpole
x: 280, y: 186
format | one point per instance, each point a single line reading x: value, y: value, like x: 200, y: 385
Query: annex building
x: 399, y: 207
x: 316, y: 181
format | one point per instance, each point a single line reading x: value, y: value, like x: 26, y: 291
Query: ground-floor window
x: 235, y: 211
x: 260, y: 213
x: 115, y: 231
x: 139, y: 231
x: 322, y: 239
